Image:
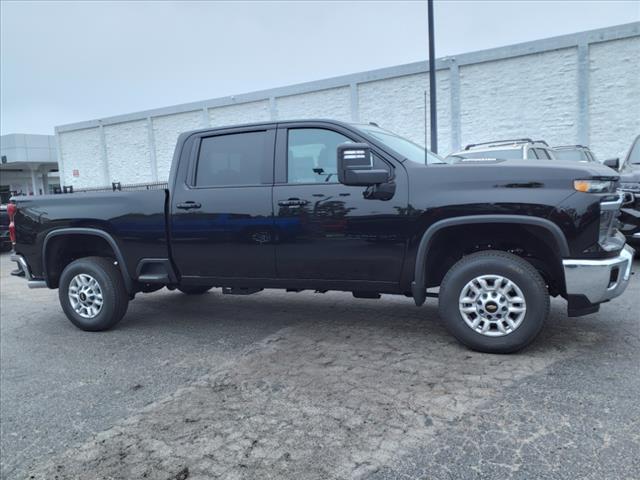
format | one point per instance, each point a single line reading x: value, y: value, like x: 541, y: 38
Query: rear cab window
x: 233, y: 159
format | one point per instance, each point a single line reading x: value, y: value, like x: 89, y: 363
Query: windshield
x: 411, y: 151
x: 505, y: 154
x: 634, y: 155
x: 575, y: 155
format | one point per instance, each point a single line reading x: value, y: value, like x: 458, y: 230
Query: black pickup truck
x: 325, y: 205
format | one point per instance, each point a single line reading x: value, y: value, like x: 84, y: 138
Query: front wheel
x: 92, y: 293
x: 494, y: 302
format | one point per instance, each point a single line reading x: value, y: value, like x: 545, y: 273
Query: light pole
x: 433, y: 107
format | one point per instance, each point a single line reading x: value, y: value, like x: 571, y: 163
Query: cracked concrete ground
x: 336, y: 388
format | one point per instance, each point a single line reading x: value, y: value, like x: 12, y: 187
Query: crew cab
x: 326, y: 205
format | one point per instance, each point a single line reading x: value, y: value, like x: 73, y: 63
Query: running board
x: 151, y: 278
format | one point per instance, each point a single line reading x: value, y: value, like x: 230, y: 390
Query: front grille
x: 607, y: 218
x: 609, y: 212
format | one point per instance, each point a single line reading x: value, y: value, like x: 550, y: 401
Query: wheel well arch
x: 537, y: 240
x: 63, y: 246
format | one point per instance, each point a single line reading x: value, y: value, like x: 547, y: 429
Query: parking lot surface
x: 311, y: 386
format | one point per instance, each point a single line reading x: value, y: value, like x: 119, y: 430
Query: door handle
x: 188, y: 205
x: 293, y: 202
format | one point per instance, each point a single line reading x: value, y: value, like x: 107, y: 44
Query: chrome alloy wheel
x: 492, y: 305
x: 85, y: 295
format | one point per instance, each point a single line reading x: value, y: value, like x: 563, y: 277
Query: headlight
x: 593, y: 186
x: 630, y: 187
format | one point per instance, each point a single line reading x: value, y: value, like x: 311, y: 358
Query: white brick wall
x: 334, y: 103
x: 529, y: 96
x: 516, y: 95
x: 398, y: 104
x: 242, y: 113
x: 80, y: 150
x: 128, y: 152
x: 614, y: 100
x: 166, y: 130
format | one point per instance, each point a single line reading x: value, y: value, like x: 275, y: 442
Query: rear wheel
x: 92, y: 293
x: 494, y: 302
x: 195, y: 289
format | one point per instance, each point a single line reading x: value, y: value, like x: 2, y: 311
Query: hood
x: 538, y: 169
x: 512, y: 175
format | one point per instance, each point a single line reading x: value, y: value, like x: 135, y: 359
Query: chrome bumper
x: 599, y: 280
x: 22, y: 265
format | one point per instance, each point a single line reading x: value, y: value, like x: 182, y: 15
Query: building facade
x: 29, y: 165
x: 581, y: 88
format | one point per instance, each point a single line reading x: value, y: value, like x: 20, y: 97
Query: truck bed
x: 135, y: 219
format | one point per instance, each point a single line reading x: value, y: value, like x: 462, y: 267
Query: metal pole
x: 425, y: 128
x: 433, y: 108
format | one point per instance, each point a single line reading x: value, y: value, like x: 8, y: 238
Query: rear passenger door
x: 221, y: 206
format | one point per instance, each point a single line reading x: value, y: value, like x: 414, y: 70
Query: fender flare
x: 418, y: 286
x: 96, y: 233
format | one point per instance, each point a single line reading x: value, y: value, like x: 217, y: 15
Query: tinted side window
x: 233, y: 159
x: 312, y: 155
x: 542, y: 153
x: 574, y: 155
x: 532, y: 154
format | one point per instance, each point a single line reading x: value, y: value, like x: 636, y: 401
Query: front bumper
x: 599, y: 280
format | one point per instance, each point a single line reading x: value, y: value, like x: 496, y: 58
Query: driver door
x: 327, y: 230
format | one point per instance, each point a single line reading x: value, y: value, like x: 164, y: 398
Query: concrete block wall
x: 528, y: 96
x: 128, y: 152
x: 81, y: 151
x: 579, y: 88
x: 166, y: 130
x: 333, y: 103
x: 250, y: 112
x: 398, y: 104
x: 614, y: 96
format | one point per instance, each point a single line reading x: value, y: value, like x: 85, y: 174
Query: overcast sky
x: 64, y: 62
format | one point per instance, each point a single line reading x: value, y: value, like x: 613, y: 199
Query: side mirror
x: 355, y: 166
x: 612, y: 163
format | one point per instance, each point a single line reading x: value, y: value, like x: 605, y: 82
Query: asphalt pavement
x: 310, y: 386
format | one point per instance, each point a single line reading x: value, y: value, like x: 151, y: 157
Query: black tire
x: 111, y: 284
x: 195, y: 289
x: 510, y: 266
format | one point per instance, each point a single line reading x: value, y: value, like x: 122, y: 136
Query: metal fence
x: 115, y: 187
